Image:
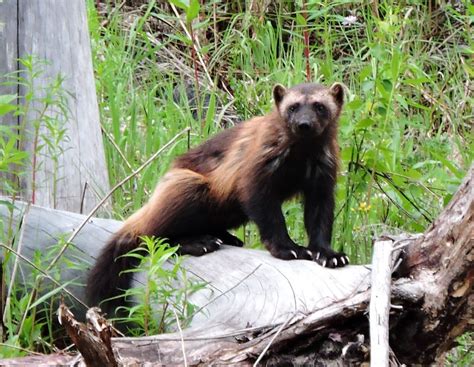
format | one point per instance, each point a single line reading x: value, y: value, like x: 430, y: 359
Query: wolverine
x: 242, y: 174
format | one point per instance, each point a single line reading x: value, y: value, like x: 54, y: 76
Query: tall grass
x: 405, y: 134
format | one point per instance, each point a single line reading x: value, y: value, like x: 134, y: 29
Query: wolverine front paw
x: 291, y: 253
x: 329, y: 258
x: 229, y: 239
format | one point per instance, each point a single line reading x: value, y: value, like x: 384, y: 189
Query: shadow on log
x: 261, y: 309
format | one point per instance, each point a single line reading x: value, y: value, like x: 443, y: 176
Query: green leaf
x: 355, y: 104
x: 365, y: 123
x: 300, y: 20
x: 368, y: 85
x: 414, y: 174
x: 387, y: 85
x: 211, y: 111
x: 180, y: 4
x: 402, y: 101
x: 450, y: 166
x: 193, y: 11
x: 49, y: 295
x: 7, y: 98
x: 5, y: 103
x: 6, y: 108
x: 365, y: 72
x: 416, y: 81
x: 395, y: 66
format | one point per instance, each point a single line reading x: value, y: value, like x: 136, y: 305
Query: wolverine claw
x: 294, y: 254
x: 219, y: 242
x: 309, y: 253
x: 329, y: 258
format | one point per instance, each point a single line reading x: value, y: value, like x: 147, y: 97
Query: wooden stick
x: 380, y: 302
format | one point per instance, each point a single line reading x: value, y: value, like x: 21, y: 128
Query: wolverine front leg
x: 319, y: 218
x: 265, y: 211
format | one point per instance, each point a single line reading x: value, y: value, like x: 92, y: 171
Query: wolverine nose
x: 304, y: 125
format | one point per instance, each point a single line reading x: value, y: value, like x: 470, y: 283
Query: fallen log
x: 258, y: 308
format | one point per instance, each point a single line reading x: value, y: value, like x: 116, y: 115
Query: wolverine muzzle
x: 304, y: 126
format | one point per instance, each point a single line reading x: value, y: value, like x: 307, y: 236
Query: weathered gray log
x: 234, y: 275
x: 249, y: 291
x: 56, y: 31
x: 298, y: 312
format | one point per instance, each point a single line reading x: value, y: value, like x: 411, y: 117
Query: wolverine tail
x: 107, y: 280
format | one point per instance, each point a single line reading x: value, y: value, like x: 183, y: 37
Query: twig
x: 29, y: 262
x: 410, y: 239
x: 15, y: 264
x: 83, y: 197
x: 119, y: 151
x: 224, y: 293
x: 181, y: 336
x: 20, y: 348
x: 94, y: 210
x: 306, y: 42
x: 201, y: 61
x: 158, y: 337
x: 280, y: 329
x: 117, y: 148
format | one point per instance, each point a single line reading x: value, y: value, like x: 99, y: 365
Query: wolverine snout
x: 304, y: 125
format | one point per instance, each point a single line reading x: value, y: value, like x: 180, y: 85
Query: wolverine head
x: 309, y: 108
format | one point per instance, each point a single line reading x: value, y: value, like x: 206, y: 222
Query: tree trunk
x: 258, y: 308
x: 70, y: 172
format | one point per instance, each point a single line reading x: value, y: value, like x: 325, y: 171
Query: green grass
x: 405, y: 133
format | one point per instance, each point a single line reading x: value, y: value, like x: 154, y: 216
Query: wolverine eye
x: 319, y: 108
x: 293, y: 107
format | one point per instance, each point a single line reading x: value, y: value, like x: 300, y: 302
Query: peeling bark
x: 92, y: 340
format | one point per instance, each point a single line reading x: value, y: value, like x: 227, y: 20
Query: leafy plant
x: 28, y: 313
x: 158, y: 301
x: 37, y: 116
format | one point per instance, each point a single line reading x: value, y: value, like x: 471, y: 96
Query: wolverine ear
x: 279, y: 92
x: 337, y: 91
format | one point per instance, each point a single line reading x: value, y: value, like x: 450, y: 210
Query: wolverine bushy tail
x: 107, y: 281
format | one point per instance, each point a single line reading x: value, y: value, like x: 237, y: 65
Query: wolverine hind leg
x: 199, y: 245
x: 183, y: 210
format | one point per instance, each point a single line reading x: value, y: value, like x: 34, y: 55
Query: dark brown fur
x: 244, y: 173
